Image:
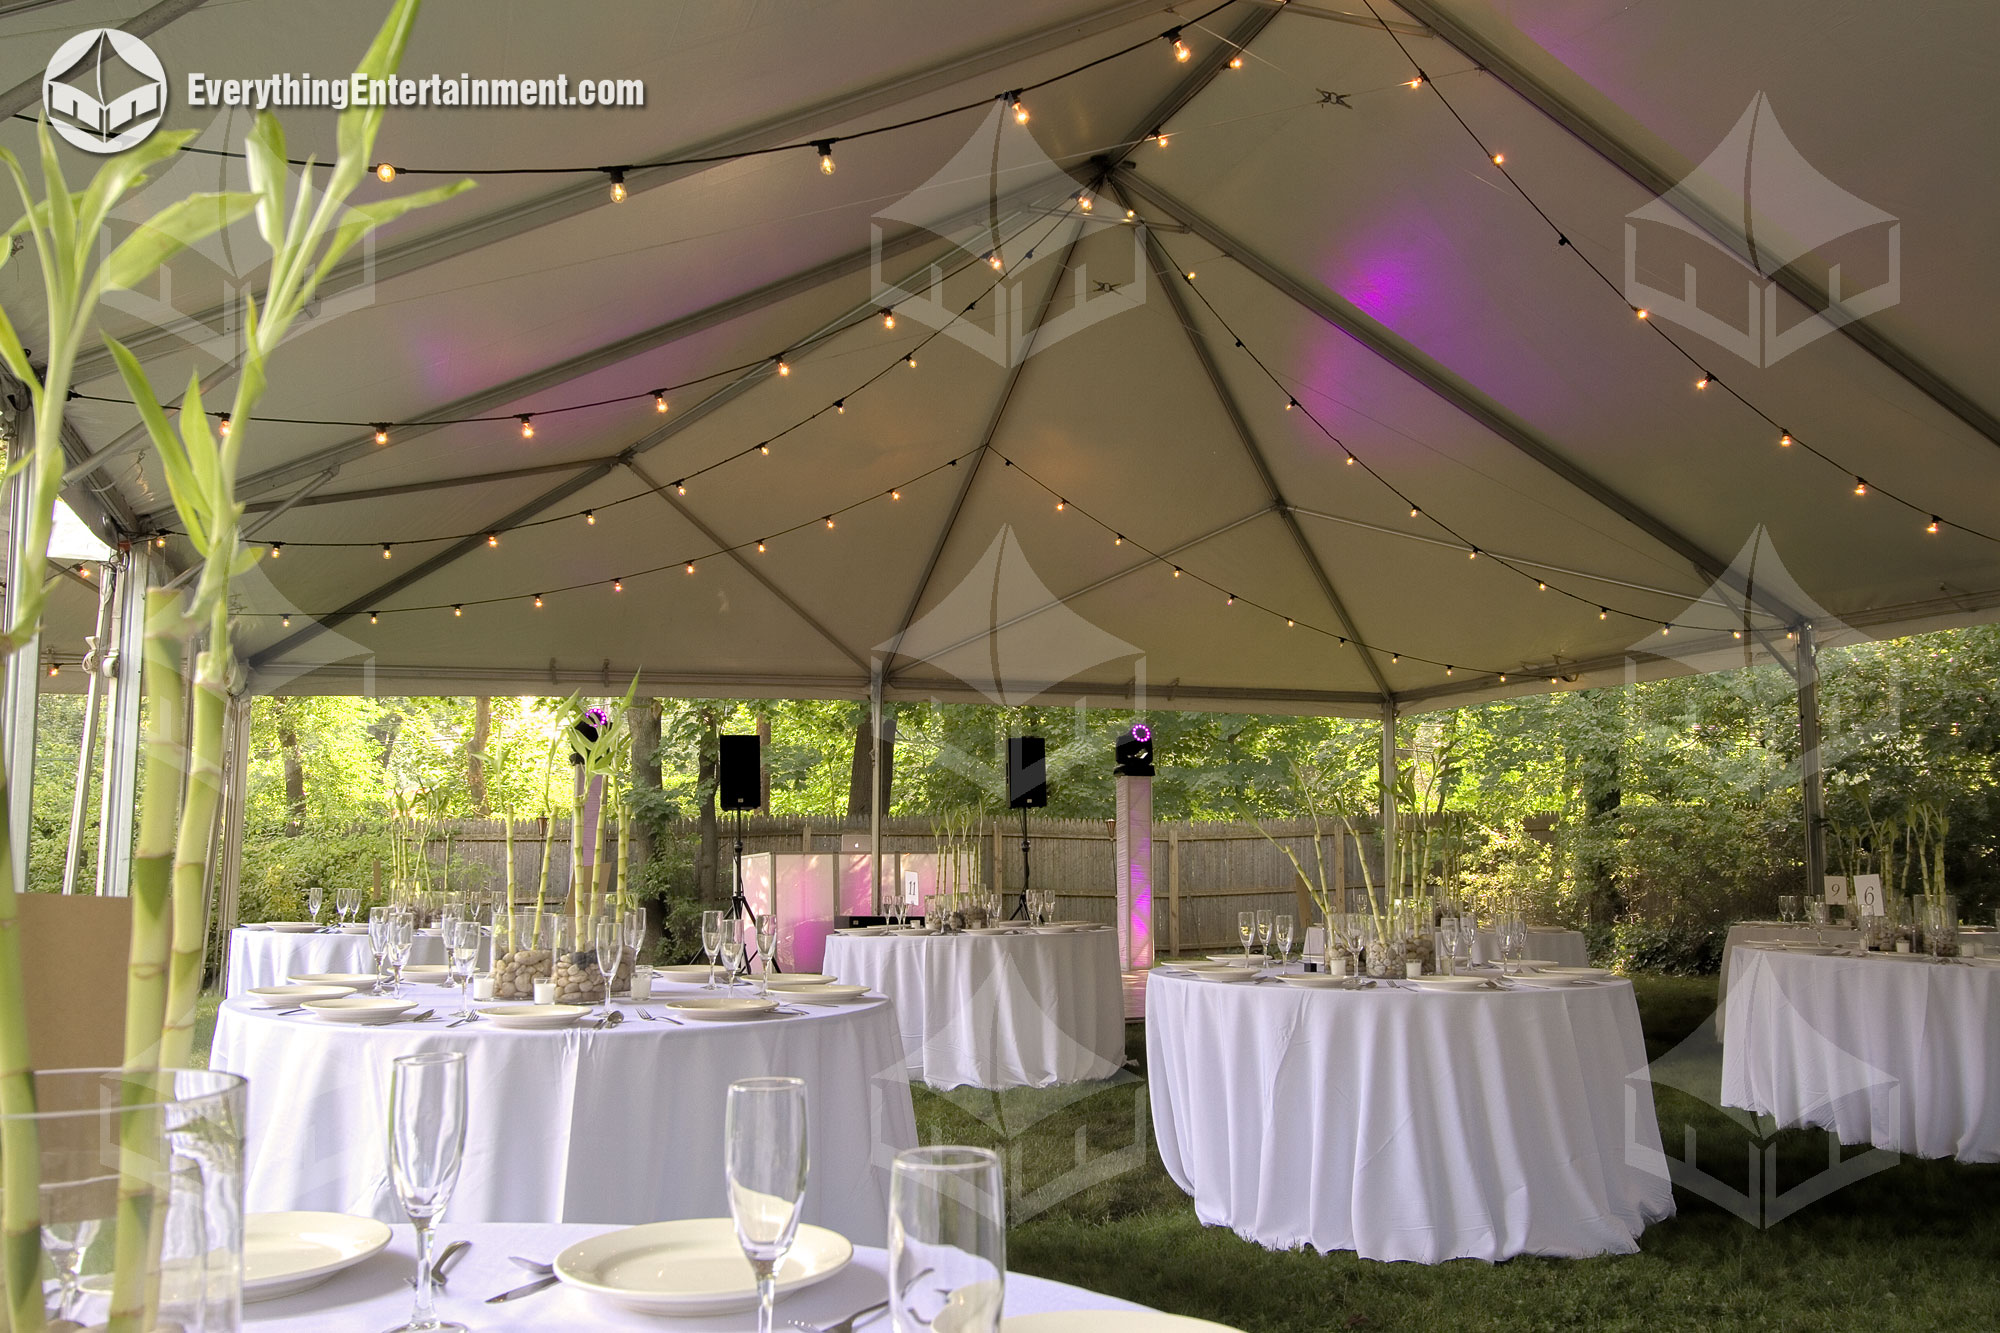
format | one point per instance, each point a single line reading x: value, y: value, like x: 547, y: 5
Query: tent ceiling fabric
x: 1083, y: 424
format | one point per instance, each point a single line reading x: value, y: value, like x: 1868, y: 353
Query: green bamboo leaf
x: 246, y: 560
x: 264, y: 153
x: 201, y: 449
x: 360, y: 219
x: 12, y: 355
x: 61, y: 205
x: 122, y: 173
x: 359, y: 124
x: 170, y: 231
x: 181, y: 488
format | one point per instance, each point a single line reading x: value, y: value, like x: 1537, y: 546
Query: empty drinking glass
x: 607, y: 936
x: 767, y: 944
x: 947, y: 1241
x: 1453, y: 948
x: 765, y: 1161
x: 1281, y: 930
x: 711, y: 941
x: 315, y: 899
x: 426, y: 1148
x: 1264, y: 922
x: 461, y: 942
x: 401, y: 938
x: 379, y: 934
x: 732, y: 955
x: 1246, y: 930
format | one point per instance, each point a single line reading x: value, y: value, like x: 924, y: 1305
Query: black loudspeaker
x: 739, y: 781
x: 1135, y: 752
x: 1027, y: 774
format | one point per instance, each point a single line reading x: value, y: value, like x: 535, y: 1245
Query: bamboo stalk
x: 198, y: 805
x: 20, y: 1152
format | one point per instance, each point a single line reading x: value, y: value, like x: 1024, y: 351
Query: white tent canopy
x: 1008, y: 516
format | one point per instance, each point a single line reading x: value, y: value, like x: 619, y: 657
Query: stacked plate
x: 427, y: 974
x: 1449, y: 983
x: 794, y: 980
x: 293, y: 927
x: 1241, y: 959
x: 288, y: 1252
x: 1582, y: 973
x: 722, y: 1008
x: 353, y: 981
x: 360, y: 1009
x: 285, y: 997
x: 1313, y: 980
x: 692, y: 1267
x: 825, y: 994
x: 534, y: 1017
x: 988, y: 930
x: 686, y: 972
x: 1219, y: 972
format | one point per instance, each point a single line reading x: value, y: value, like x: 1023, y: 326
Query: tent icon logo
x: 104, y: 91
x: 1780, y: 214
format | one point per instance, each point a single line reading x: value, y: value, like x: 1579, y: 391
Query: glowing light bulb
x: 617, y: 187
x: 1736, y: 634
x: 1394, y: 658
x: 911, y: 361
x: 384, y: 172
x: 387, y: 552
x: 83, y: 571
x: 1181, y: 51
x: 1291, y: 403
x: 1503, y: 678
x: 590, y: 517
x: 1351, y: 460
x: 1500, y: 160
x: 1131, y: 213
x: 1541, y: 587
x: 690, y: 566
x: 1860, y: 486
x: 829, y: 521
x: 277, y: 549
x: 1785, y: 440
x: 374, y: 619
x: 764, y: 449
x: 285, y: 621
x: 1085, y: 202
x: 618, y: 585
x: 1020, y: 111
x: 1290, y: 623
x: 1701, y: 383
x: 1664, y: 630
x: 784, y: 367
x: 660, y: 401
x: 825, y: 147
x: 888, y: 319
x: 382, y: 432
x: 840, y: 407
x: 681, y: 487
x: 1447, y: 671
x: 1236, y: 61
x: 1603, y: 613
x: 760, y: 548
x: 1177, y: 571
x: 527, y: 428
x: 538, y: 601
x: 1413, y: 511
x: 1932, y: 526
x: 160, y: 542
x: 1190, y: 275
x: 1061, y: 505
x: 1118, y: 539
x: 224, y: 418
x: 1473, y: 554
x: 895, y: 495
x: 1231, y: 600
x: 1160, y: 139
x: 1418, y: 82
x: 458, y: 610
x: 1642, y: 312
x: 492, y: 539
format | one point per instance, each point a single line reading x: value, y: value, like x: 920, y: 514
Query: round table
x: 1775, y: 932
x: 1404, y: 1124
x: 1553, y: 943
x: 996, y: 1011
x: 267, y: 957
x: 372, y: 1295
x: 1892, y: 1050
x: 579, y: 1124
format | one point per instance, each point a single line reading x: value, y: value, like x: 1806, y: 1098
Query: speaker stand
x: 1021, y: 907
x: 739, y: 905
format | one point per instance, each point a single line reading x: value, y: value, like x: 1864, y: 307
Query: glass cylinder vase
x: 524, y: 953
x: 141, y: 1197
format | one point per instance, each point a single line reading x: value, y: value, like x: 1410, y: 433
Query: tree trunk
x: 764, y: 762
x: 706, y: 773
x: 646, y: 783
x: 861, y: 770
x: 295, y: 774
x: 475, y: 753
x: 1602, y: 794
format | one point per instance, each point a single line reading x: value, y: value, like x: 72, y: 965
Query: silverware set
x: 545, y: 1277
x: 443, y: 1263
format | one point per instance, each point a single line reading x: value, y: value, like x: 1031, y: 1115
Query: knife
x: 528, y: 1290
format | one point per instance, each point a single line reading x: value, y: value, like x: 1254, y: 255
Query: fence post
x: 1174, y: 887
x: 806, y: 836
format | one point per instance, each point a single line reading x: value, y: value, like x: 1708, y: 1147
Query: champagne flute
x: 315, y: 899
x: 1264, y: 923
x: 380, y: 919
x: 767, y: 942
x: 402, y: 938
x: 711, y: 941
x: 609, y: 938
x: 765, y: 1163
x: 1246, y: 930
x: 461, y: 940
x: 732, y: 957
x: 426, y: 1148
x: 1281, y: 929
x: 947, y: 1232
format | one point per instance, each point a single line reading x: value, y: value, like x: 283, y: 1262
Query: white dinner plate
x: 1313, y: 980
x: 787, y: 980
x: 360, y: 1009
x: 1049, y: 930
x: 288, y: 1252
x: 284, y: 997
x: 351, y: 980
x: 256, y: 925
x: 429, y: 974
x: 293, y: 927
x: 861, y: 930
x: 1804, y: 946
x: 988, y: 930
x: 1603, y: 973
x: 1240, y: 960
x: 1536, y: 963
x: 685, y: 972
x: 1447, y: 983
x: 1984, y: 960
x: 693, y: 1267
x: 534, y: 1016
x: 1548, y: 981
x: 1223, y: 973
x: 355, y: 928
x: 825, y: 994
x: 723, y: 1008
x: 1109, y: 1321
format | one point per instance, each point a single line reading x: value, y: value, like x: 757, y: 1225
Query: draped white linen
x: 996, y: 1011
x: 372, y: 1296
x: 1405, y: 1125
x: 267, y: 957
x: 1767, y: 932
x: 1892, y: 1050
x: 621, y: 1125
x: 1557, y: 945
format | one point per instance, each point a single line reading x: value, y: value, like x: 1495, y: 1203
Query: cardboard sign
x: 1837, y: 894
x: 1868, y: 895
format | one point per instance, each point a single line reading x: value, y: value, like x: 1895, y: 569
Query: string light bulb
x: 1020, y: 111
x: 1413, y: 511
x: 760, y: 548
x: 381, y: 432
x: 895, y: 495
x: 840, y: 407
x: 1352, y: 460
x: 1642, y: 312
x: 765, y: 449
x: 825, y: 147
x: 993, y: 259
x: 1177, y: 571
x: 83, y: 571
x: 1236, y: 61
x: 1665, y: 630
x: 538, y: 601
x: 1231, y: 600
x: 284, y: 621
x: 1472, y: 554
x: 1061, y: 505
x: 618, y: 585
x: 385, y: 172
x: 1117, y: 539
x: 1291, y: 403
x: 1394, y: 658
x: 690, y: 566
x: 1784, y: 439
x: 1181, y: 51
x: 590, y: 517
x: 829, y: 521
x: 1290, y: 623
x: 888, y: 318
x: 1541, y: 586
x: 1932, y: 526
x: 1160, y: 138
x: 1701, y: 383
x: 660, y: 400
x: 160, y: 542
x: 1190, y: 275
x: 680, y: 488
x: 617, y: 187
x: 784, y: 367
x: 1500, y: 160
x: 387, y: 551
x: 458, y: 611
x: 374, y: 618
x: 277, y: 549
x: 1418, y: 82
x: 1860, y: 486
x: 492, y: 539
x: 527, y: 428
x: 223, y: 417
x: 1447, y: 670
x: 1603, y: 613
x: 911, y: 361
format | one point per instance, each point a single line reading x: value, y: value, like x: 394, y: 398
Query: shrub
x: 1676, y: 948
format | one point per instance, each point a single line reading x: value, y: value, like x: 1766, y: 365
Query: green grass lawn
x: 1913, y: 1247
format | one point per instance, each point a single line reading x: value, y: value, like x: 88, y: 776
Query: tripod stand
x: 1021, y: 907
x: 739, y: 906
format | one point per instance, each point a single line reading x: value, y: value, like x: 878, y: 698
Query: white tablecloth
x: 1753, y: 932
x: 267, y: 957
x: 1894, y: 1051
x: 622, y: 1125
x: 1557, y: 945
x: 372, y: 1296
x: 996, y: 1011
x: 1405, y: 1125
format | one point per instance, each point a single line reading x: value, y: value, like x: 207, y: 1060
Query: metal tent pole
x: 1388, y: 799
x: 875, y: 789
x: 23, y: 679
x: 121, y: 728
x: 1812, y: 790
x: 79, y: 807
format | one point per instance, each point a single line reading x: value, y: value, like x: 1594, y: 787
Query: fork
x: 839, y: 1326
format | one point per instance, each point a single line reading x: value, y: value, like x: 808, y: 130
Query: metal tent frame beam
x: 143, y: 24
x: 486, y: 229
x: 1433, y: 376
x: 1656, y: 180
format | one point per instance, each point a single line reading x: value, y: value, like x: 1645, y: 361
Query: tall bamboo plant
x: 67, y: 229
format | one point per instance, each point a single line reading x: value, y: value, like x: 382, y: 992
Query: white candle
x: 482, y: 986
x: 1337, y: 966
x: 1902, y: 946
x: 1413, y: 968
x: 642, y: 983
x: 545, y: 990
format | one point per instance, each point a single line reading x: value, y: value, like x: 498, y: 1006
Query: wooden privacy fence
x: 1203, y: 873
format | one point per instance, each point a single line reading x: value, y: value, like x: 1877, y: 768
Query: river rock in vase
x: 1385, y: 958
x: 577, y: 979
x: 515, y: 973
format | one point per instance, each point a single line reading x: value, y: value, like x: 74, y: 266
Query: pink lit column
x: 1134, y: 863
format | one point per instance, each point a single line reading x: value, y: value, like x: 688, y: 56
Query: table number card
x: 1868, y: 895
x: 913, y: 889
x: 1837, y: 894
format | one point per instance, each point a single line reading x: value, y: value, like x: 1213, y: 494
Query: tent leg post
x: 1812, y: 789
x: 875, y: 789
x: 1388, y: 799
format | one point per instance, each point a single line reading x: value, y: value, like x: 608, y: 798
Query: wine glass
x: 1246, y: 930
x: 767, y: 943
x: 1281, y: 930
x: 461, y: 942
x: 1817, y: 906
x: 765, y: 1162
x: 947, y: 1233
x: 608, y: 937
x: 1354, y: 929
x: 402, y: 937
x: 1265, y: 918
x: 1448, y: 936
x: 732, y: 956
x: 711, y: 941
x: 379, y: 921
x: 315, y: 899
x: 426, y: 1148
